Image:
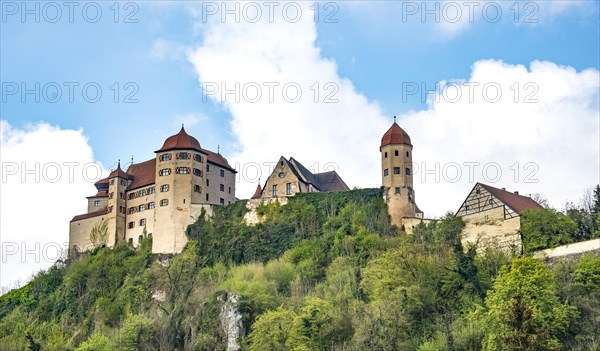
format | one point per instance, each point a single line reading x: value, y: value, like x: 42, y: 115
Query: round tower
x: 179, y: 183
x: 396, y: 173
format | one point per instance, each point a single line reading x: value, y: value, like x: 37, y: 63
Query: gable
x: 480, y: 199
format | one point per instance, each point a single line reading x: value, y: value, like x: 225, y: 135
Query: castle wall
x: 289, y: 177
x: 79, y: 233
x: 103, y: 203
x: 133, y: 234
x: 215, y: 179
x: 490, y: 229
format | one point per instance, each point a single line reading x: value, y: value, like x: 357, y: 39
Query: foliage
x: 327, y: 271
x: 99, y: 233
x: 546, y: 228
x: 524, y: 311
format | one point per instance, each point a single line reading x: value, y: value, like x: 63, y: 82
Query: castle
x: 156, y: 198
x: 160, y: 197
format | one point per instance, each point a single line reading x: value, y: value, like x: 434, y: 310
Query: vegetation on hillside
x: 325, y: 272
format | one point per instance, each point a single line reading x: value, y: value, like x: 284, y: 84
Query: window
x: 207, y: 183
x: 229, y: 190
x: 197, y: 172
x: 151, y: 190
x: 121, y: 209
x: 407, y: 171
x: 121, y: 196
x: 222, y: 201
x: 208, y: 168
x: 164, y: 188
x: 150, y: 205
x: 130, y: 196
x: 274, y: 190
x: 112, y: 182
x: 142, y: 207
x: 164, y: 172
x: 197, y: 188
x: 140, y: 238
x: 131, y: 225
x: 397, y: 190
x: 123, y: 182
x: 111, y: 195
x: 221, y: 187
x: 131, y: 210
x: 165, y: 157
x: 198, y: 158
x: 143, y: 192
x: 385, y: 172
x: 110, y: 208
x: 407, y: 154
x: 396, y: 170
x: 183, y: 156
x: 164, y: 202
x: 385, y: 154
x: 182, y: 170
x: 96, y: 203
x: 222, y: 173
x: 149, y: 235
x: 288, y: 189
x: 142, y: 222
x: 206, y: 197
x: 130, y: 241
x: 395, y: 152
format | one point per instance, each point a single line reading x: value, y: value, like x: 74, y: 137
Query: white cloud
x: 316, y: 133
x: 43, y: 186
x: 553, y: 140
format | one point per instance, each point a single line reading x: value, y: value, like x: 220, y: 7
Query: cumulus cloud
x: 532, y: 129
x: 46, y: 174
x: 290, y: 100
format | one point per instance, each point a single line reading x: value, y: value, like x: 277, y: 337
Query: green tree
x: 523, y: 309
x: 546, y: 228
x: 271, y: 330
x: 96, y: 342
x: 99, y: 233
x: 138, y: 334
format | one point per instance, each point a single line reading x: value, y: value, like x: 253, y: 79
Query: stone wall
x: 490, y: 229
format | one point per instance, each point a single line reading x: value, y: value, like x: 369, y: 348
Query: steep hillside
x: 325, y: 272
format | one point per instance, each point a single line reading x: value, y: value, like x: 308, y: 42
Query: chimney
x: 504, y: 189
x: 516, y: 193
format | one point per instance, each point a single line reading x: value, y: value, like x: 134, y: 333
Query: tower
x: 118, y: 181
x: 180, y: 179
x: 396, y: 174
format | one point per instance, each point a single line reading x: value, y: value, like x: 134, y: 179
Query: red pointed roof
x: 395, y: 135
x: 118, y: 173
x: 180, y: 141
x: 257, y: 193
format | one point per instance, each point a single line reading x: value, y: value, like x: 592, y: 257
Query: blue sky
x: 370, y: 44
x: 154, y: 57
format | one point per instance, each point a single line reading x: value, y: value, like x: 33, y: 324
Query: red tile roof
x: 102, y: 193
x: 218, y: 160
x: 143, y: 173
x: 90, y: 215
x: 517, y: 203
x: 118, y: 173
x: 180, y: 141
x: 395, y: 135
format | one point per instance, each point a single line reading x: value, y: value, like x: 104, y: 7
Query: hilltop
x: 327, y: 271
